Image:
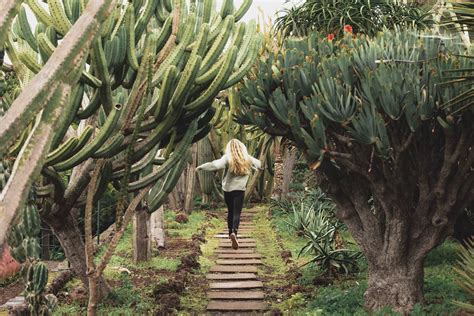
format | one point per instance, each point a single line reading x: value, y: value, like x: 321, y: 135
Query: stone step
x: 239, y: 256
x: 226, y: 236
x: 241, y: 240
x: 244, y: 233
x: 237, y: 306
x: 241, y: 245
x: 233, y: 269
x: 236, y: 295
x: 238, y: 261
x: 231, y: 276
x: 233, y: 251
x: 236, y: 285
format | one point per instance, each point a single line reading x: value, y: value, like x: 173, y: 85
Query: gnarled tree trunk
x: 64, y: 227
x: 157, y: 227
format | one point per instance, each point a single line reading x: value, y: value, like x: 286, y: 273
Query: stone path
x: 234, y: 287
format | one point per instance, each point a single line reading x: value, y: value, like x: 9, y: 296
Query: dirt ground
x: 10, y: 291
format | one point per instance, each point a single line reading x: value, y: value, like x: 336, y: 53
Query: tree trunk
x: 278, y: 171
x: 398, y: 285
x: 141, y: 236
x: 45, y: 243
x: 289, y: 161
x: 69, y: 236
x: 157, y: 228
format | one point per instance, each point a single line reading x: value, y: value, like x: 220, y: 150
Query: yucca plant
x: 466, y: 272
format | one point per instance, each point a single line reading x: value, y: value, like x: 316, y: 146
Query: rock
x: 182, y: 218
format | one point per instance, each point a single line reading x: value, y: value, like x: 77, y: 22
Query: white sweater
x: 230, y: 182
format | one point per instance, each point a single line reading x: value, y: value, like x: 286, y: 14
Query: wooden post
x: 157, y: 228
x: 190, y: 182
x: 141, y: 236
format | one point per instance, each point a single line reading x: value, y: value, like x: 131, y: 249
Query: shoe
x: 235, y: 243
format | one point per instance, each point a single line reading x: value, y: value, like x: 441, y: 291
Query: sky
x: 268, y: 7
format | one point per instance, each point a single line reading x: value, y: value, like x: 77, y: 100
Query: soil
x: 10, y: 291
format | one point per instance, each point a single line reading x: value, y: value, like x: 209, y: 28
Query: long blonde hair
x: 239, y: 160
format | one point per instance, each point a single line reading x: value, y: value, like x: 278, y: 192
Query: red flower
x: 330, y: 37
x: 348, y: 28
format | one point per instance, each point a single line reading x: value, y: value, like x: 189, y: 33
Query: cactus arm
x: 73, y: 105
x: 7, y: 13
x: 28, y: 163
x: 170, y: 162
x: 104, y: 133
x: 168, y: 185
x: 101, y: 64
x: 64, y: 59
x: 58, y: 183
x: 109, y: 149
x: 40, y: 13
x: 239, y: 14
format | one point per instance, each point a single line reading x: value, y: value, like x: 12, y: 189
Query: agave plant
x: 322, y: 246
x: 466, y: 272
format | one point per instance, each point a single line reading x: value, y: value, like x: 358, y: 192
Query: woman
x: 239, y: 164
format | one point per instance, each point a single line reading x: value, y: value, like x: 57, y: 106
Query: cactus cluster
x: 154, y: 68
x: 25, y: 248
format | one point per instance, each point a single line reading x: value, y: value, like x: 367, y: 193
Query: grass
x: 345, y: 296
x: 194, y: 299
x: 132, y: 293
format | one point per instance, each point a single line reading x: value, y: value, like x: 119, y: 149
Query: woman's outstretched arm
x: 214, y: 165
x: 256, y: 164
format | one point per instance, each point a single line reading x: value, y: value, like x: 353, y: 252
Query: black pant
x: 234, y: 201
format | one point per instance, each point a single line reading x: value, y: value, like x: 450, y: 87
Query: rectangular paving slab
x: 236, y: 295
x: 243, y: 240
x: 238, y: 261
x: 239, y: 256
x: 233, y: 269
x: 226, y: 236
x: 231, y: 276
x: 236, y: 285
x: 233, y: 251
x: 241, y: 245
x: 237, y: 306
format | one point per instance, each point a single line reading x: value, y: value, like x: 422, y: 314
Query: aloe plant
x: 368, y: 17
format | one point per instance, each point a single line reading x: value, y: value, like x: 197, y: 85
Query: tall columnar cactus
x: 148, y: 83
x: 43, y: 98
x: 388, y: 134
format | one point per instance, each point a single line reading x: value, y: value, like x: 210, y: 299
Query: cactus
x: 24, y: 241
x: 145, y: 59
x: 43, y: 97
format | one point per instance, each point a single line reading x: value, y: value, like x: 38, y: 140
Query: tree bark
x: 141, y: 236
x: 278, y: 170
x: 398, y: 285
x: 69, y: 236
x: 289, y: 161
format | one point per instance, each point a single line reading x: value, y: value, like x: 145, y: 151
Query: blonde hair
x: 239, y: 160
